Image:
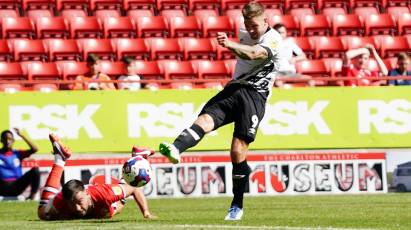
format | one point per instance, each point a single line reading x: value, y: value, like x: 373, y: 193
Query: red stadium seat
x: 315, y: 68
x: 305, y: 44
x: 140, y: 13
x: 10, y: 4
x: 119, y: 27
x: 404, y: 24
x: 45, y: 87
x: 272, y: 12
x: 372, y: 65
x: 328, y: 47
x: 234, y: 14
x: 38, y: 4
x: 232, y: 4
x: 165, y: 48
x: 5, y: 53
x: 102, y: 15
x: 380, y: 24
x: 139, y: 5
x: 388, y: 3
x: 149, y: 70
x: 203, y: 14
x: 323, y: 4
x: 169, y: 15
x: 69, y: 14
x: 174, y: 69
x: 17, y: 28
x: 334, y: 65
x: 185, y: 27
x: 60, y: 49
x: 88, y: 27
x: 212, y: 25
x: 171, y: 4
x: 136, y: 48
x: 63, y: 5
x: 151, y: 26
x: 99, y: 47
x: 11, y: 71
x: 43, y: 71
x: 364, y: 12
x: 198, y: 48
x: 8, y: 14
x: 10, y: 88
x: 300, y: 13
x: 113, y: 69
x: 72, y: 69
x: 333, y: 12
x: 194, y: 5
x: 390, y: 63
x: 182, y: 85
x: 105, y: 5
x: 315, y: 25
x: 397, y: 11
x: 292, y: 4
x: 365, y: 3
x: 354, y: 42
x: 36, y: 14
x: 29, y: 50
x: 390, y: 46
x: 230, y: 64
x: 54, y: 27
x: 347, y: 25
x: 207, y: 69
x: 290, y: 22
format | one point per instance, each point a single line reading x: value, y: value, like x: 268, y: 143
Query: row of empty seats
x: 182, y: 48
x: 162, y: 69
x: 193, y: 26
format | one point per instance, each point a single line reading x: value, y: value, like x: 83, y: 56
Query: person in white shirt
x: 289, y: 54
x: 131, y: 80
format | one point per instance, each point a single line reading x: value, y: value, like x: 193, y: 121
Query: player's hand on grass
x: 222, y: 39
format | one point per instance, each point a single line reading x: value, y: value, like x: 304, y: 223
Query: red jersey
x: 104, y: 197
x: 352, y: 71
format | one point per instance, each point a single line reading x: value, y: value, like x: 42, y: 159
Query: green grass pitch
x: 387, y: 211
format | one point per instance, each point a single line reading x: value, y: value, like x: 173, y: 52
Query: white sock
x: 58, y: 160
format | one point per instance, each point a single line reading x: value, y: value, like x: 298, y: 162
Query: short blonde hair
x: 252, y: 9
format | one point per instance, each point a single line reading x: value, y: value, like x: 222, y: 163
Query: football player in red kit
x: 76, y: 200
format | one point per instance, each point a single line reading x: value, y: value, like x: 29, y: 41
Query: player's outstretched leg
x: 187, y: 139
x: 61, y: 154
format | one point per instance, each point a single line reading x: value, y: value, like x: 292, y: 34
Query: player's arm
x: 139, y: 198
x: 240, y: 50
x: 32, y: 146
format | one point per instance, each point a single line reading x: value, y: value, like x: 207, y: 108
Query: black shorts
x: 240, y: 104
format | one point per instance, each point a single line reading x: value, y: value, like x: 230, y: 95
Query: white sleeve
x: 272, y: 42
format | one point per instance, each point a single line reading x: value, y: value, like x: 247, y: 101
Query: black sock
x: 241, y: 173
x: 189, y: 138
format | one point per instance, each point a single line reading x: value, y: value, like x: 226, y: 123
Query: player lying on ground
x: 77, y: 200
x: 242, y: 100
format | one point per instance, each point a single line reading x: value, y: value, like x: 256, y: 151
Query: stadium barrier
x: 303, y: 118
x: 297, y: 173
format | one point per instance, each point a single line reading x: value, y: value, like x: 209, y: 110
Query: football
x: 137, y: 171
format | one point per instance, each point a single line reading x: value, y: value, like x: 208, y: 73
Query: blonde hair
x: 252, y: 9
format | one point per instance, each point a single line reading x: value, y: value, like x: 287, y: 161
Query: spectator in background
x: 12, y: 180
x: 355, y: 65
x: 131, y: 80
x: 93, y: 74
x: 289, y: 54
x: 403, y: 62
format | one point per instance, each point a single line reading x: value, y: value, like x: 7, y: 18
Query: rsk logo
x: 288, y: 118
x: 66, y: 121
x: 386, y: 117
